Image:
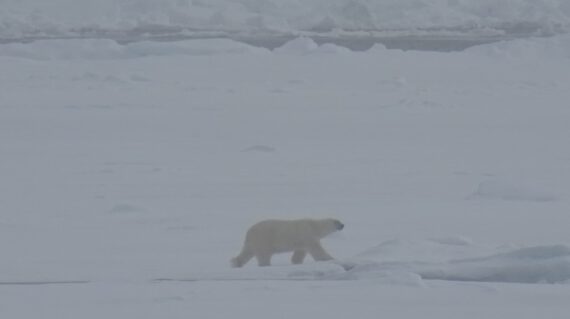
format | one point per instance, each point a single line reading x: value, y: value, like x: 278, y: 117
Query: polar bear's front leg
x: 263, y: 259
x: 298, y: 257
x: 318, y: 252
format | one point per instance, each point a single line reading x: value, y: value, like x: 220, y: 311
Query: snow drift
x: 541, y: 264
x: 409, y: 263
x: 557, y: 48
x: 438, y: 260
x: 104, y: 49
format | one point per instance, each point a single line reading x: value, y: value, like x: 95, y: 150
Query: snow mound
x: 557, y: 47
x: 433, y: 250
x: 377, y: 48
x: 100, y: 49
x: 502, y: 190
x: 301, y: 45
x: 306, y: 45
x: 329, y: 48
x: 542, y: 264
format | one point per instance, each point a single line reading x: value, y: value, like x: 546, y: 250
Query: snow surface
x: 130, y: 173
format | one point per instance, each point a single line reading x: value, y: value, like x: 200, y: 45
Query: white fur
x: 300, y: 236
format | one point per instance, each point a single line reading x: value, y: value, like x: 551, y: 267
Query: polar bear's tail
x: 241, y: 259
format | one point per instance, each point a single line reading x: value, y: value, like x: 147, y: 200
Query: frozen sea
x: 130, y: 169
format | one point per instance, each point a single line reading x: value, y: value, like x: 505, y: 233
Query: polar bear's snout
x: 339, y: 225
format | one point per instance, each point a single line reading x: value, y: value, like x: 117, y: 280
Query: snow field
x: 123, y: 164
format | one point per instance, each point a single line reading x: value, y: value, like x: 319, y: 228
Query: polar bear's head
x: 328, y: 226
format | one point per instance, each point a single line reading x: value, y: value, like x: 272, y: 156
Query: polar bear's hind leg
x: 298, y: 257
x: 241, y: 259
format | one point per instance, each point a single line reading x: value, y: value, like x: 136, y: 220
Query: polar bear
x: 300, y: 236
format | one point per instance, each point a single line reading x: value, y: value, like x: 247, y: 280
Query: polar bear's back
x: 281, y: 235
